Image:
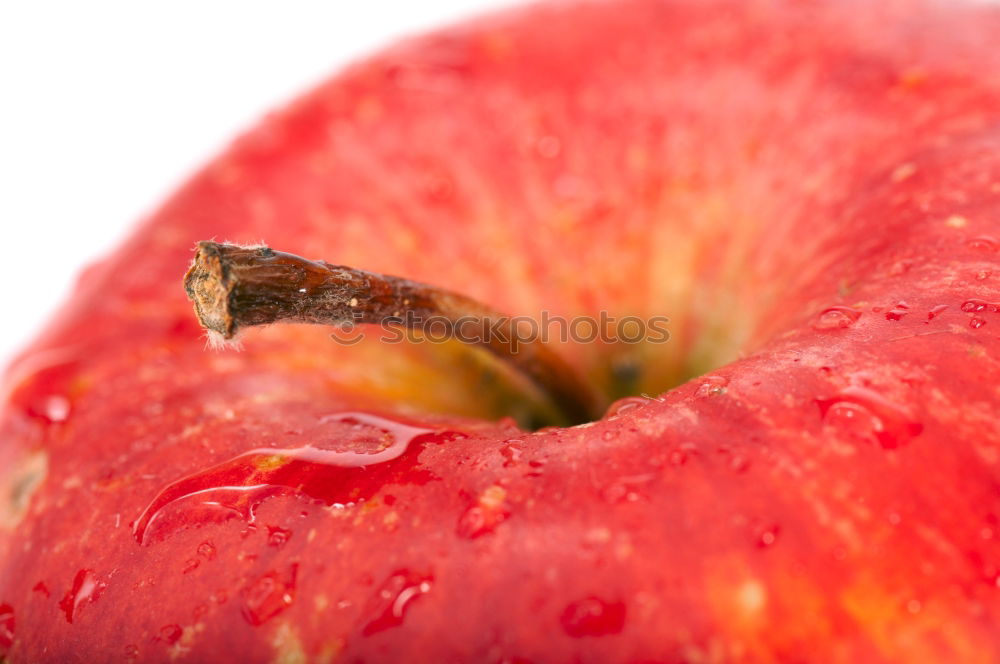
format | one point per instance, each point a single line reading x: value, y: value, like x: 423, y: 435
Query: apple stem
x: 234, y: 287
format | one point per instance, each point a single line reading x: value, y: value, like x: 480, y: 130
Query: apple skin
x: 810, y: 190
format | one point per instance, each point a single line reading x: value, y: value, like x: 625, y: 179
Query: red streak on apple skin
x: 739, y: 166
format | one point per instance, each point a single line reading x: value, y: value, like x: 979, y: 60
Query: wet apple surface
x: 810, y: 191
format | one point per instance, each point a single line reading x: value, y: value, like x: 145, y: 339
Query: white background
x: 106, y: 106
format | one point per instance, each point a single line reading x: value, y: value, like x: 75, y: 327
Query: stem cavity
x: 235, y: 287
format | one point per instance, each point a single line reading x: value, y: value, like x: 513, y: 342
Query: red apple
x: 809, y: 190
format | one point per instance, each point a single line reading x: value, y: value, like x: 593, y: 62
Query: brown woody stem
x: 235, y: 287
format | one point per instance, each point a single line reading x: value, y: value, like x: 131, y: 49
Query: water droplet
x: 278, y: 536
x: 936, y: 311
x: 984, y: 243
x: 56, y: 408
x: 476, y: 521
x: 394, y: 598
x: 170, y: 634
x: 712, y: 386
x: 593, y: 616
x: 42, y: 384
x: 269, y: 595
x: 237, y: 487
x: 86, y: 589
x: 736, y: 461
x: 767, y: 536
x: 866, y: 414
x: 975, y: 305
x: 512, y: 451
x: 835, y: 318
x: 897, y: 312
x: 619, y: 493
x: 206, y: 550
x: 623, y: 406
x: 131, y: 652
x: 983, y: 274
x: 7, y: 625
x: 976, y: 322
x: 627, y: 489
x: 739, y: 463
x: 489, y: 511
x: 914, y: 606
x: 678, y: 457
x: 851, y: 417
